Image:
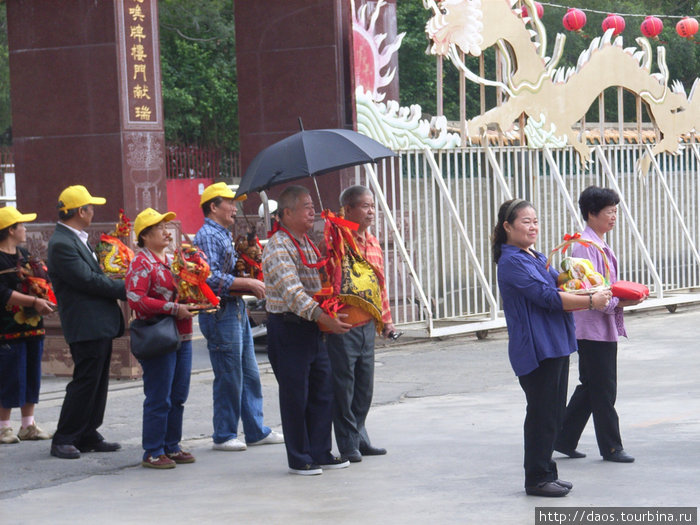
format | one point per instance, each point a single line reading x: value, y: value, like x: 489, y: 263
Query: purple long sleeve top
x: 594, y: 325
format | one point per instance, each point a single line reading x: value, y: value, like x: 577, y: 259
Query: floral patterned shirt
x: 16, y: 321
x: 151, y: 290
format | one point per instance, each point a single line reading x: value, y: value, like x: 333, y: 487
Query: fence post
x: 633, y: 225
x: 437, y: 176
x: 398, y: 239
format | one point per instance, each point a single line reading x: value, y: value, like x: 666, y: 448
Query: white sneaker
x: 7, y: 436
x: 335, y: 462
x: 231, y: 445
x: 273, y: 438
x: 307, y: 470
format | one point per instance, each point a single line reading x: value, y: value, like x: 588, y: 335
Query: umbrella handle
x: 266, y: 208
x: 318, y: 192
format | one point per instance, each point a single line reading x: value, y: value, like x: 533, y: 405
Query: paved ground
x: 450, y: 412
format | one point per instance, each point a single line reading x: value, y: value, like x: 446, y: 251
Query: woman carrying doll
x: 21, y: 329
x: 151, y: 291
x: 541, y: 338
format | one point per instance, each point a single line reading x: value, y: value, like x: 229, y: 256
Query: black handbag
x: 154, y: 337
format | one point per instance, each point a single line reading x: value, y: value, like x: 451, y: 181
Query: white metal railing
x: 444, y: 206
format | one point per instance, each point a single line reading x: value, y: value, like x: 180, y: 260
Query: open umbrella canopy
x: 309, y: 153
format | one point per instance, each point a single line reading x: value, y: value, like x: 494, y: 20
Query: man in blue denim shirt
x: 237, y: 389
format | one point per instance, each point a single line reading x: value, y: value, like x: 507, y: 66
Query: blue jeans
x: 166, y: 383
x: 20, y: 371
x: 237, y: 390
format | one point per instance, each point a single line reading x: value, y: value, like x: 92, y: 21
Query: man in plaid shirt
x: 296, y: 348
x: 352, y: 353
x: 237, y: 390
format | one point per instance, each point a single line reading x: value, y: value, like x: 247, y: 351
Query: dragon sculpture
x: 554, y: 98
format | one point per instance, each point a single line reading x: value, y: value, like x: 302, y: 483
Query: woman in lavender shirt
x: 596, y: 335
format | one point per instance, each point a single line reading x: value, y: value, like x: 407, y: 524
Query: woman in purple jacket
x: 596, y: 335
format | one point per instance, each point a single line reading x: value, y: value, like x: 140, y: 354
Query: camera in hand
x: 394, y: 335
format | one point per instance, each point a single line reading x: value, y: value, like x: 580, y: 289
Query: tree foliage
x: 198, y: 62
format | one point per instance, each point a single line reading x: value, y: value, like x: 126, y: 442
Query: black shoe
x: 574, y: 454
x: 369, y: 450
x: 65, y: 451
x: 100, y: 446
x: 353, y: 457
x: 619, y: 456
x: 565, y: 484
x: 547, y: 489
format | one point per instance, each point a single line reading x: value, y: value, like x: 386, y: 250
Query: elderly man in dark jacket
x: 90, y: 318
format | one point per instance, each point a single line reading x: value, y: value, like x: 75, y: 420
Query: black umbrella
x: 310, y: 153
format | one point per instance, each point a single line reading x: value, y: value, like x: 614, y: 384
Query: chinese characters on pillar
x: 139, y: 55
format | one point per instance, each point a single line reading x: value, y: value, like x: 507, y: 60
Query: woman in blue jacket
x: 541, y: 338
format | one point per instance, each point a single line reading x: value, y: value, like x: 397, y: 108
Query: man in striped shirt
x: 352, y: 353
x: 296, y: 349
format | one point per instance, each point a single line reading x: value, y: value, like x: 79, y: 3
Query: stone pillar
x: 86, y: 109
x: 294, y: 60
x: 86, y: 103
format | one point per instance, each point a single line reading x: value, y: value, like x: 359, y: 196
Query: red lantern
x: 614, y: 22
x: 574, y: 19
x: 687, y: 27
x: 652, y: 27
x: 538, y: 7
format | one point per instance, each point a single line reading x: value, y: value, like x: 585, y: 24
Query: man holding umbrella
x: 296, y: 349
x: 237, y: 390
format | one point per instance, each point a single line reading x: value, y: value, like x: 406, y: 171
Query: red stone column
x: 86, y: 109
x: 293, y: 60
x: 86, y: 103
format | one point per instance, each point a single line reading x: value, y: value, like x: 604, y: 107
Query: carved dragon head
x: 460, y: 23
x: 456, y: 22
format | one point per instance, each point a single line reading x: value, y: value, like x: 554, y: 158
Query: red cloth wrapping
x: 629, y: 290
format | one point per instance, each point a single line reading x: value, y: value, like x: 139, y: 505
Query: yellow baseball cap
x: 220, y: 189
x: 77, y: 196
x: 10, y: 216
x: 150, y: 217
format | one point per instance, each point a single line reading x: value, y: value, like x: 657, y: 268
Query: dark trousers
x: 545, y: 391
x: 86, y: 395
x: 597, y: 366
x: 300, y: 362
x: 352, y: 362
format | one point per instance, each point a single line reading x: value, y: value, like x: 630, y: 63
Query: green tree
x: 198, y: 61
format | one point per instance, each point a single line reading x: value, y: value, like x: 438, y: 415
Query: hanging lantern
x: 614, y: 22
x: 538, y: 7
x: 687, y: 27
x: 652, y: 27
x: 574, y: 19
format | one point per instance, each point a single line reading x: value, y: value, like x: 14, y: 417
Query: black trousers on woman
x: 597, y: 365
x: 545, y: 391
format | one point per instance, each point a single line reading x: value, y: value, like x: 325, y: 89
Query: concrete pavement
x: 450, y: 413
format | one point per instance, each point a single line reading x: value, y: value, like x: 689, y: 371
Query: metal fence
x: 198, y: 162
x: 7, y: 177
x: 445, y: 202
